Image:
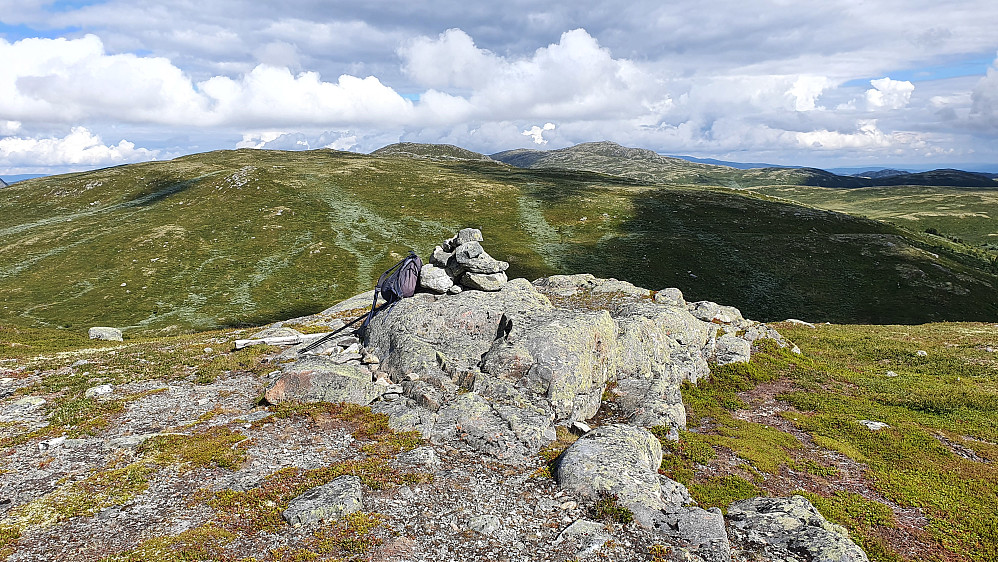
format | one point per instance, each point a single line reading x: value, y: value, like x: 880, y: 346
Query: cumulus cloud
x: 806, y: 90
x: 889, y: 94
x: 79, y: 148
x: 573, y: 78
x: 984, y: 99
x: 867, y: 135
x: 76, y: 80
x: 537, y: 133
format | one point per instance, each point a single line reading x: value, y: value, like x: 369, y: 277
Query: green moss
x: 721, y: 491
x: 607, y: 508
x: 682, y: 456
x: 350, y: 537
x: 8, y: 540
x: 218, y: 446
x: 206, y: 542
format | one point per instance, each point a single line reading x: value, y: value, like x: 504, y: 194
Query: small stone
x: 580, y: 428
x: 96, y: 391
x: 670, y: 296
x: 370, y: 359
x: 435, y: 278
x: 799, y: 322
x: 488, y: 525
x: 890, y: 374
x: 874, y: 425
x: 30, y: 402
x: 51, y: 443
x: 328, y: 502
x: 454, y: 289
x: 921, y: 353
x: 104, y: 333
x: 569, y: 505
x: 421, y: 456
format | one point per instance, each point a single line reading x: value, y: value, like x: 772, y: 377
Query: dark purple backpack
x: 398, y: 283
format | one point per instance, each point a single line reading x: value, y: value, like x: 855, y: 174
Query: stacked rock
x: 461, y: 263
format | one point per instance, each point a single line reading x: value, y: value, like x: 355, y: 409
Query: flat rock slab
x: 328, y: 502
x: 321, y: 379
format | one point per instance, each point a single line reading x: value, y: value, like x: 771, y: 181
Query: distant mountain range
x: 646, y: 165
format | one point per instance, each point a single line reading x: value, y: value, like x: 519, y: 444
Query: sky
x: 879, y: 83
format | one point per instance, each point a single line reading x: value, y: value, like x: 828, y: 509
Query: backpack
x: 397, y: 283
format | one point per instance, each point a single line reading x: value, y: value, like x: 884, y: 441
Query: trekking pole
x: 329, y: 336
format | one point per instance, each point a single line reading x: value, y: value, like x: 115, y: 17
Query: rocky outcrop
x: 500, y: 369
x: 789, y: 529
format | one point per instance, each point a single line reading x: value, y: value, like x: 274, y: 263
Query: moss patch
x: 721, y: 491
x: 217, y: 447
x: 206, y: 542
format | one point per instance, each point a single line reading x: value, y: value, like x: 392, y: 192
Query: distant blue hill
x: 12, y: 178
x: 736, y: 165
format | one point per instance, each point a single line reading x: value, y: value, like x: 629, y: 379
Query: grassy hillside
x: 245, y: 237
x: 970, y: 214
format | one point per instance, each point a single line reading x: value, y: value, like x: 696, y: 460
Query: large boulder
x: 623, y: 461
x: 790, y: 529
x: 322, y: 379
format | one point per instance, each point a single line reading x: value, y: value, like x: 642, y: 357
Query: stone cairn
x: 461, y: 263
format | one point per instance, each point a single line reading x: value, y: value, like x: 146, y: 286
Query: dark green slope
x: 246, y: 237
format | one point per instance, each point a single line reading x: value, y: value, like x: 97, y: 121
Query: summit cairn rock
x: 462, y: 262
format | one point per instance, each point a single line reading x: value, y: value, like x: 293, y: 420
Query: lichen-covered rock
x: 328, y: 502
x: 472, y: 258
x: 716, y: 313
x: 732, y: 349
x: 790, y: 529
x: 275, y: 332
x: 463, y: 237
x: 483, y: 281
x: 434, y: 278
x: 700, y: 530
x: 617, y: 459
x: 104, y: 333
x: 321, y: 379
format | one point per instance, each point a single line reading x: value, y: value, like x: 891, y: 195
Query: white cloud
x: 79, y: 148
x: 537, y: 133
x: 867, y: 135
x: 984, y: 99
x: 574, y: 78
x: 76, y: 80
x: 889, y: 94
x: 806, y: 90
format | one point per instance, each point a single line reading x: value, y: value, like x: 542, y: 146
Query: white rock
x: 104, y: 333
x: 874, y: 425
x: 96, y: 391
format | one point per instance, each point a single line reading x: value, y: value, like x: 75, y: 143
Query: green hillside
x: 967, y: 213
x: 246, y: 237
